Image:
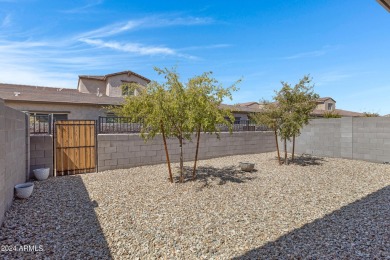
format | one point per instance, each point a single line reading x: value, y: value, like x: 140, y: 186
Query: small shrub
x: 331, y: 114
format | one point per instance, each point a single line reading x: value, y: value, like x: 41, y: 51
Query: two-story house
x: 87, y: 102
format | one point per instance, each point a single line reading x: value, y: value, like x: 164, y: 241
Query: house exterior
x: 87, y: 102
x: 328, y: 105
x: 241, y: 113
x: 324, y: 105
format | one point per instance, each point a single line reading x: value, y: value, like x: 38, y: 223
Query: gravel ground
x: 316, y: 208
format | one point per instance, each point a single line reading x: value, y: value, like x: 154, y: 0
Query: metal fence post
x: 50, y: 122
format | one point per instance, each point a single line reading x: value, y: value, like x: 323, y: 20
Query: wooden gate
x: 75, y: 147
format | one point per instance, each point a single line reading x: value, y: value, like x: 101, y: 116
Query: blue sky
x: 343, y: 45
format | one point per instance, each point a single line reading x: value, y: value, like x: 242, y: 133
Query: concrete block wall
x: 13, y: 154
x: 119, y: 151
x: 371, y: 139
x: 41, y: 153
x: 363, y: 138
x: 320, y: 138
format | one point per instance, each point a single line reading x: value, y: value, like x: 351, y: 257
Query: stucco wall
x: 41, y: 153
x: 351, y: 138
x: 324, y: 105
x: 75, y: 111
x: 13, y: 154
x: 116, y: 151
x: 91, y: 86
x: 242, y: 116
x: 114, y: 84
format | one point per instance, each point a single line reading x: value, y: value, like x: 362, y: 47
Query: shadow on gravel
x: 360, y: 230
x: 59, y: 217
x: 308, y: 160
x: 208, y: 174
x: 304, y: 160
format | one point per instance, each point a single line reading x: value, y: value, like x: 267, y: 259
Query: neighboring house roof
x: 25, y: 93
x: 237, y: 108
x: 341, y: 112
x: 104, y: 77
x: 323, y: 99
x: 247, y: 104
x: 57, y: 95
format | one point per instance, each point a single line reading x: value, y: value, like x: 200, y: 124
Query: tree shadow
x: 59, y: 217
x: 304, y: 160
x: 207, y: 175
x: 308, y: 160
x: 360, y: 230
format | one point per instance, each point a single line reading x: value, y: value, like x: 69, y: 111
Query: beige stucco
x: 242, y: 116
x: 324, y: 105
x: 91, y: 86
x: 74, y: 111
x: 114, y: 83
x: 111, y: 86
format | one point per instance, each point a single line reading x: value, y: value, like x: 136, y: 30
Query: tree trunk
x: 285, y: 152
x: 196, y: 154
x: 181, y: 159
x: 277, y: 146
x: 293, y: 148
x: 166, y: 153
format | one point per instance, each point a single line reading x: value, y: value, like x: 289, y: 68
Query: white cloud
x: 57, y: 61
x: 310, y: 54
x: 28, y: 75
x: 110, y: 30
x: 44, y: 64
x: 203, y: 47
x: 149, y: 22
x: 84, y: 8
x: 135, y: 48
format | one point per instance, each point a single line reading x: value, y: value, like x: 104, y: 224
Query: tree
x: 369, y: 114
x: 296, y: 105
x: 148, y: 108
x: 176, y: 110
x: 305, y: 102
x: 205, y: 113
x: 270, y: 117
x: 331, y: 114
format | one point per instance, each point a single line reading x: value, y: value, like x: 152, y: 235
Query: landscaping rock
x: 314, y: 208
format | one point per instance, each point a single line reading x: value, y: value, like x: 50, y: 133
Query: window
x: 237, y: 120
x: 45, y: 117
x: 330, y: 106
x: 127, y: 90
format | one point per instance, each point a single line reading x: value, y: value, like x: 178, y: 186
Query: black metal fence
x: 109, y: 125
x: 118, y: 125
x: 43, y: 124
x: 40, y: 124
x: 244, y: 125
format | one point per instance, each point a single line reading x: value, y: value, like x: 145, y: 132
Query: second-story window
x: 330, y: 106
x: 127, y: 90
